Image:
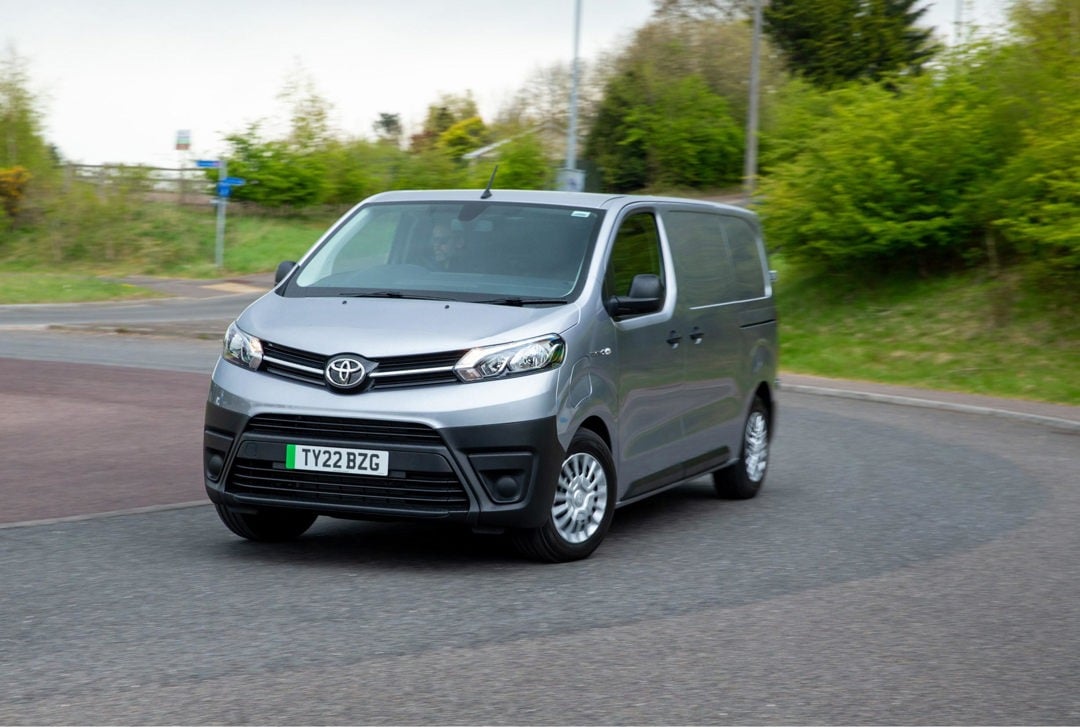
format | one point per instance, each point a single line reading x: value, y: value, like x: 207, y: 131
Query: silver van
x: 513, y: 361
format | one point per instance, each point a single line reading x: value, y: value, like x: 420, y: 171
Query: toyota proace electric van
x: 513, y: 361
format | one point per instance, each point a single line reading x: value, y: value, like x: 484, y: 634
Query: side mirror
x: 283, y: 271
x: 646, y: 296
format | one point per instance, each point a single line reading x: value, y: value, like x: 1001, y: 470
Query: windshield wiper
x: 374, y: 294
x: 393, y: 294
x: 523, y: 301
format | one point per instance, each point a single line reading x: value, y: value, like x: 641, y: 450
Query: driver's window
x: 636, y: 250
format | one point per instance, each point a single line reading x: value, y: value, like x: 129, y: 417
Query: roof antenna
x: 487, y: 190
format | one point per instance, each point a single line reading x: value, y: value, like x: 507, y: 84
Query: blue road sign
x: 223, y: 189
x: 208, y: 163
x: 234, y: 181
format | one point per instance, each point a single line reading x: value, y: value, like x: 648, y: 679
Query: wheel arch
x: 597, y: 426
x: 765, y: 393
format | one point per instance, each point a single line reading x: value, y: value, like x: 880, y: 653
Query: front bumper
x: 482, y: 475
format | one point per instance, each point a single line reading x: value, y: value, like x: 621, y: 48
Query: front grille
x: 292, y: 363
x: 427, y: 494
x: 337, y: 429
x: 391, y: 372
x: 420, y: 480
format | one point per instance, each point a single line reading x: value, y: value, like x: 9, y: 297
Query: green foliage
x: 277, y: 172
x: 21, y: 140
x: 430, y: 169
x: 692, y: 139
x: 618, y: 150
x: 979, y: 161
x: 678, y: 134
x: 831, y: 42
x: 1037, y: 200
x: 27, y: 162
x: 884, y: 179
x: 1040, y: 191
x: 441, y: 115
x: 522, y: 165
x: 463, y: 136
x: 672, y: 113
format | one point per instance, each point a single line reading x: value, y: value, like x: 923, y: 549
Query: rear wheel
x: 582, y: 508
x: 742, y: 480
x: 266, y: 525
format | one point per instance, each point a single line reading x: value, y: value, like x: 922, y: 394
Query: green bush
x: 881, y: 179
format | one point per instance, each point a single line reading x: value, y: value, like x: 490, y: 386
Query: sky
x: 117, y: 79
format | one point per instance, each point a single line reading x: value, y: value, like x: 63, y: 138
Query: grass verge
x: 1000, y: 336
x: 35, y: 287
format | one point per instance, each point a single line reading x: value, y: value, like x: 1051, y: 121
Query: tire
x: 267, y: 526
x: 582, y: 508
x: 743, y: 479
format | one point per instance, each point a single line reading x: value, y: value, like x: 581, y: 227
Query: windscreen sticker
x: 580, y: 213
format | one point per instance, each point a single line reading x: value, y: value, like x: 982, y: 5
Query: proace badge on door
x: 337, y: 459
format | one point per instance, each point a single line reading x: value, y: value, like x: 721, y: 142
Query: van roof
x: 590, y: 200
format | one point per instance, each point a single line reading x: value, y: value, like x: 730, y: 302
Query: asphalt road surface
x: 902, y: 565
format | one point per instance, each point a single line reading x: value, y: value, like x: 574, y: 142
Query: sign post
x: 224, y: 187
x: 222, y: 202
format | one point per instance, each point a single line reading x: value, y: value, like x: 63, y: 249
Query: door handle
x: 696, y: 335
x: 673, y: 339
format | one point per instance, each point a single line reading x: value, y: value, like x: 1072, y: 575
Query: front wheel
x: 582, y: 508
x: 266, y: 525
x: 742, y: 480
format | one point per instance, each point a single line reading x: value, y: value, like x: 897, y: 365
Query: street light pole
x: 571, y: 178
x: 571, y: 134
x: 750, y: 166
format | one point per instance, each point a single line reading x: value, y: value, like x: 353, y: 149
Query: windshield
x: 519, y: 254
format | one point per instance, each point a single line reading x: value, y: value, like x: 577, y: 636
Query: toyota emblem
x: 344, y: 372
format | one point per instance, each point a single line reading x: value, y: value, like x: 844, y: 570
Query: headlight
x: 492, y: 362
x: 241, y: 349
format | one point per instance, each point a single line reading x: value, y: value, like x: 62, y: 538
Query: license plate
x: 337, y: 459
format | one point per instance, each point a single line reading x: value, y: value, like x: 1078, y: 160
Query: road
x: 903, y: 564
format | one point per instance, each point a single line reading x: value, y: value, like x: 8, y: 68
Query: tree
x: 289, y: 171
x: 309, y: 112
x: 696, y: 10
x: 696, y: 66
x: 1036, y: 201
x: 22, y: 142
x: 388, y: 128
x: 441, y: 115
x: 619, y: 150
x: 830, y: 42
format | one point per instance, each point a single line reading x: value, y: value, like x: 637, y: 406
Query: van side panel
x: 714, y: 348
x: 729, y: 318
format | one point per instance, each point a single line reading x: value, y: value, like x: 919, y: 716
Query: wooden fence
x: 182, y: 185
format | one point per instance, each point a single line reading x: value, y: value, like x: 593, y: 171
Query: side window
x: 702, y: 261
x: 746, y: 263
x: 636, y: 251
